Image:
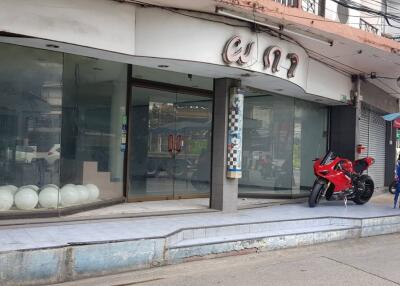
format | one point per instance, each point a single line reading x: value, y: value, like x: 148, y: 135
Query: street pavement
x: 34, y: 236
x: 366, y: 261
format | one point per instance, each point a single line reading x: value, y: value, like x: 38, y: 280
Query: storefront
x: 83, y: 127
x: 282, y: 135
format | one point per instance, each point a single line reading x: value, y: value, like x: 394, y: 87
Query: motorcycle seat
x: 360, y: 166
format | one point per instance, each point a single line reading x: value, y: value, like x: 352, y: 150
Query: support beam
x: 224, y: 191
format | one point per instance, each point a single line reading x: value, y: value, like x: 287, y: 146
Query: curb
x: 82, y: 260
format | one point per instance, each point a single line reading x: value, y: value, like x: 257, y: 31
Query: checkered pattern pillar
x: 235, y: 126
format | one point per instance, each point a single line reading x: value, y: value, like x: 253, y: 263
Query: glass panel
x: 310, y: 140
x: 151, y: 160
x: 267, y: 145
x: 170, y: 129
x: 193, y: 133
x: 92, y: 149
x: 30, y: 121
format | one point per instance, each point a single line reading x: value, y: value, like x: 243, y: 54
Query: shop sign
x: 396, y: 123
x: 398, y: 134
x: 235, y: 52
x: 235, y: 133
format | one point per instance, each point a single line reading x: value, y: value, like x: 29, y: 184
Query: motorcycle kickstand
x: 345, y: 202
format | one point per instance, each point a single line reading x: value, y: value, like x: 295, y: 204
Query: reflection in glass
x: 30, y: 121
x: 281, y: 137
x: 267, y: 145
x: 310, y: 140
x: 93, y: 127
x: 170, y: 143
x: 193, y: 159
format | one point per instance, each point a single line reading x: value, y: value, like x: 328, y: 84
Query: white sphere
x: 83, y: 193
x: 12, y: 188
x: 6, y: 199
x: 50, y: 185
x: 5, y: 188
x: 94, y: 192
x: 49, y: 197
x: 69, y: 185
x: 26, y: 199
x: 69, y: 195
x: 33, y: 187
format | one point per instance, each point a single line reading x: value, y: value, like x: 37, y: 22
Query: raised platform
x: 43, y: 254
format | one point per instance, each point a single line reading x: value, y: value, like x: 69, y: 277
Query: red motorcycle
x: 341, y: 179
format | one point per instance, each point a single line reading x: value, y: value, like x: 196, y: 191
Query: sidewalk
x: 41, y: 254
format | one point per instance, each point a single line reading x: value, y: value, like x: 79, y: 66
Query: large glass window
x: 281, y: 136
x: 30, y: 124
x: 62, y: 127
x: 310, y: 142
x: 94, y: 124
x: 267, y: 145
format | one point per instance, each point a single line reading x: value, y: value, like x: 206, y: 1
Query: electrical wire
x: 359, y: 7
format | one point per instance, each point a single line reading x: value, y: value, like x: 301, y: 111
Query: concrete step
x: 195, y: 243
x: 257, y: 235
x: 45, y: 264
x: 225, y: 233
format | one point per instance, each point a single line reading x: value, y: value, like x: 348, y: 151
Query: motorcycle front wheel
x: 316, y: 193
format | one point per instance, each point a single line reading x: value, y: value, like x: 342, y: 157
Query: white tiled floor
x: 133, y: 228
x: 166, y: 206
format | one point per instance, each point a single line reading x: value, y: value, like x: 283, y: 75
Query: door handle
x: 178, y: 143
x: 170, y: 143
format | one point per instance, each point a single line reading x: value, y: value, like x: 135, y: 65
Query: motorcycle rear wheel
x: 365, y: 191
x: 316, y: 193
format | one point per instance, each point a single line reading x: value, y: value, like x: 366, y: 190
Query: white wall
x: 322, y: 80
x: 100, y: 24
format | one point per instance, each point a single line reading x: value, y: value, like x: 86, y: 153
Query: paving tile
x: 133, y: 228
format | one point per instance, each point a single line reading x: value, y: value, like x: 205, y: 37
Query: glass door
x: 152, y: 115
x: 193, y: 157
x: 170, y: 140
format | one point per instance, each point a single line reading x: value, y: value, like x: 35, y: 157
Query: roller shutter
x: 373, y: 136
x: 364, y: 127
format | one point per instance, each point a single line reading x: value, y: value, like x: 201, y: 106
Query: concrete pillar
x: 224, y: 191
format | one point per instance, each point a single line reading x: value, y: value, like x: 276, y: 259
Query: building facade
x: 104, y: 102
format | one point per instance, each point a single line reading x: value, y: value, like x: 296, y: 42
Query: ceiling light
x: 280, y: 28
x: 245, y: 75
x: 163, y: 66
x: 52, y: 46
